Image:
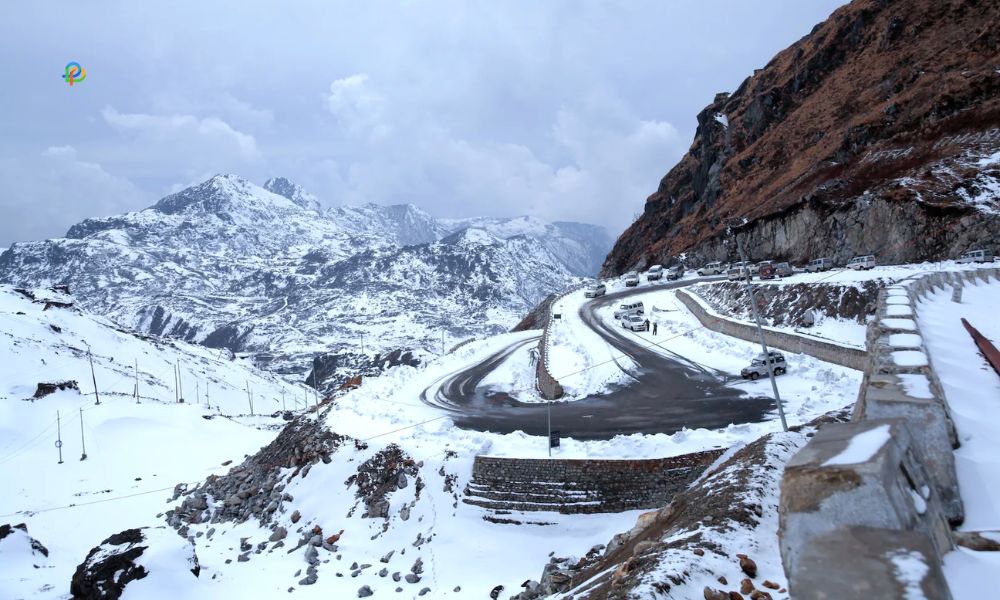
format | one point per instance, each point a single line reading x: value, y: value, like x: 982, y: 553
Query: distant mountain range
x: 265, y: 271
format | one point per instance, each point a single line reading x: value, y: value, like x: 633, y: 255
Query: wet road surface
x: 664, y: 395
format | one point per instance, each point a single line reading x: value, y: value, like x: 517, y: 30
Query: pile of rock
x: 253, y: 489
x: 389, y: 470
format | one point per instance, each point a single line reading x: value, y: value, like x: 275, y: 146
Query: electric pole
x: 180, y: 384
x: 59, y: 436
x: 548, y: 442
x: 760, y: 332
x: 137, y: 381
x: 93, y: 377
x: 83, y: 445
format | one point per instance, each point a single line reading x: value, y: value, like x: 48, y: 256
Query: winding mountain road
x: 665, y: 396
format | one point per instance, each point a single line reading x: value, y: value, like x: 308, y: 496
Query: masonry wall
x: 854, y: 358
x: 580, y: 485
x: 905, y: 497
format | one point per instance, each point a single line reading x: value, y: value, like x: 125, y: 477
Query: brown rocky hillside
x: 876, y: 133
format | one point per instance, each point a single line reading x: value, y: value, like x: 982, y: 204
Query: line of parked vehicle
x: 632, y: 279
x: 768, y: 269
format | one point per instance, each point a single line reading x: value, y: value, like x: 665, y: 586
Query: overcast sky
x: 568, y: 110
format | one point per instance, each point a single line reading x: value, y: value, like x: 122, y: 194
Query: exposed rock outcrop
x: 876, y: 133
x: 114, y: 564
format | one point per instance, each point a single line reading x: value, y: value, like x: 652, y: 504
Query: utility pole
x: 137, y: 381
x: 93, y: 377
x: 180, y: 384
x: 197, y: 390
x: 442, y: 341
x: 760, y: 333
x: 250, y: 398
x: 282, y: 399
x: 548, y: 441
x: 59, y: 436
x: 176, y: 396
x: 82, y: 444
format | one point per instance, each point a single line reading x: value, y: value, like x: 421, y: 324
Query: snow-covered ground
x: 845, y: 332
x: 579, y: 358
x: 136, y: 452
x: 810, y: 388
x: 973, y: 392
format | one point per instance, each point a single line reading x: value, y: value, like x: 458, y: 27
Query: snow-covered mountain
x: 229, y: 264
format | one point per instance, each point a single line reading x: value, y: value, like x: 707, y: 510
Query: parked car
x: 629, y: 308
x: 631, y: 279
x: 675, y: 272
x: 976, y: 256
x: 766, y: 270
x: 594, y: 290
x: 654, y: 273
x: 635, y: 323
x: 755, y: 269
x: 739, y: 271
x: 859, y: 263
x: 819, y: 264
x: 758, y: 366
x: 712, y: 268
x: 783, y: 269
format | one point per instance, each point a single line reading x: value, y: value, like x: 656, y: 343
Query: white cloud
x: 44, y: 195
x: 357, y: 107
x: 183, y: 128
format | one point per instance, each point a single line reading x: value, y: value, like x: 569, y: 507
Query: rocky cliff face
x: 876, y: 133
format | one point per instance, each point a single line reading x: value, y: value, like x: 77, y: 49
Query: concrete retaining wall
x: 860, y: 513
x: 581, y: 485
x: 855, y: 358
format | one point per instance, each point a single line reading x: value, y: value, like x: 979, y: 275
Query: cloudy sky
x: 563, y: 109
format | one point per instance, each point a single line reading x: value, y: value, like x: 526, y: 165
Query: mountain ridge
x: 230, y: 264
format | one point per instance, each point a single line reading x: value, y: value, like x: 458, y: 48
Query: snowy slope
x: 135, y: 449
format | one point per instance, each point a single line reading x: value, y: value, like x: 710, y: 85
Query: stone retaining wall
x: 854, y: 358
x: 548, y: 386
x: 903, y: 497
x: 582, y: 485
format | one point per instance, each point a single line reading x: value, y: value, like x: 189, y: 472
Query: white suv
x: 712, y: 268
x: 976, y: 256
x: 859, y: 263
x: 595, y: 290
x: 629, y: 308
x: 655, y: 272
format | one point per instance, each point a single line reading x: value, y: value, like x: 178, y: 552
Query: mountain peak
x: 293, y: 191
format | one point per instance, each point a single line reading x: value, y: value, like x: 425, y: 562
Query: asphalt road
x: 665, y: 394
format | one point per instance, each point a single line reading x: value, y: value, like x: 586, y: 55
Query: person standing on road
x: 654, y: 328
x: 647, y: 324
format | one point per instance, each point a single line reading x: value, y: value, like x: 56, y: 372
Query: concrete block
x: 932, y: 430
x: 824, y: 489
x: 866, y: 563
